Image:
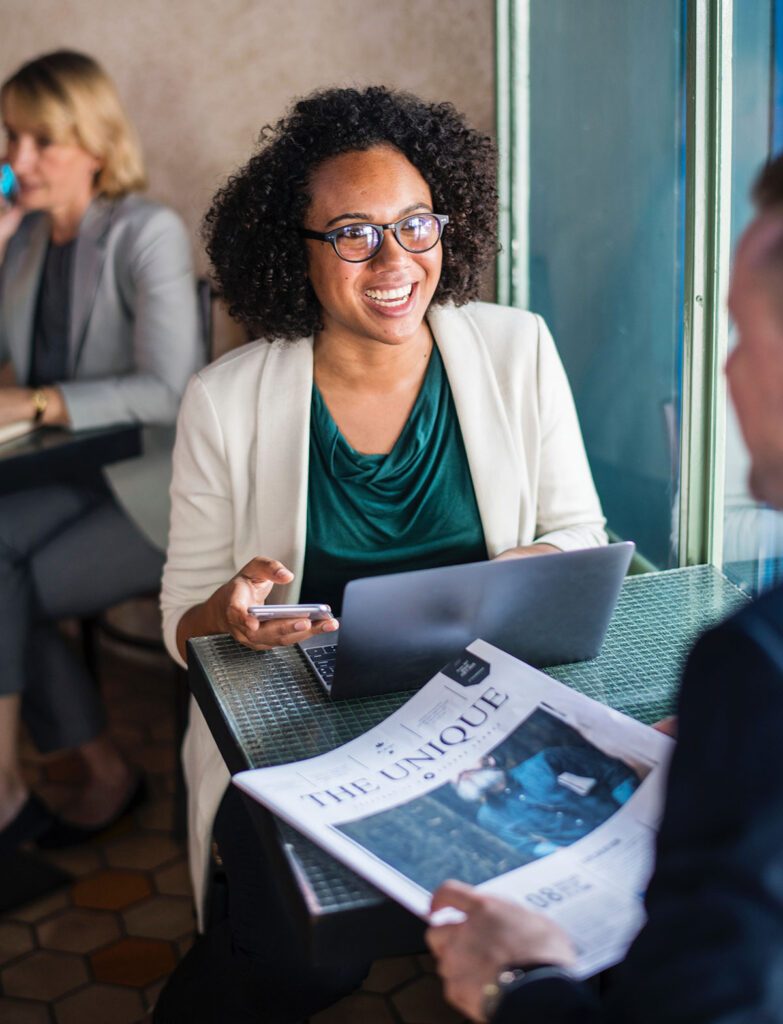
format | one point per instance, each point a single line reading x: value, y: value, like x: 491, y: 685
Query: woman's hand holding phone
x: 313, y: 612
x: 249, y: 589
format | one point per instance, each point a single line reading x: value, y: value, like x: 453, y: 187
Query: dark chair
x: 103, y: 624
x: 205, y: 296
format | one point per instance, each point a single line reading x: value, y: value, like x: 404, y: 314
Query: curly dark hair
x: 252, y: 228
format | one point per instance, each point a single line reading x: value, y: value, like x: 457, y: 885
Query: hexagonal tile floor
x: 100, y: 949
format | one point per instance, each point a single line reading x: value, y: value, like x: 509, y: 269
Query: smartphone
x: 314, y: 612
x: 8, y: 187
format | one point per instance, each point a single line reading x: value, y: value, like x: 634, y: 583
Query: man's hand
x: 668, y: 726
x: 495, y: 934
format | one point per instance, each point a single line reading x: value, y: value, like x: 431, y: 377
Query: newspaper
x: 498, y: 775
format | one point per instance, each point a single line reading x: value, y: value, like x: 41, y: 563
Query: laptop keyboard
x: 322, y: 659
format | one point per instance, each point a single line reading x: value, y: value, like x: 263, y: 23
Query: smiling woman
x: 384, y: 295
x: 384, y: 422
x: 253, y: 228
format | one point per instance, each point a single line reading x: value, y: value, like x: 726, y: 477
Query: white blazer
x: 240, y: 478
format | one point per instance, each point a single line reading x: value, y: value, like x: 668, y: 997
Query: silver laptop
x: 397, y: 631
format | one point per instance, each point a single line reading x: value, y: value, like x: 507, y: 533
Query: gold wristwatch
x: 40, y: 401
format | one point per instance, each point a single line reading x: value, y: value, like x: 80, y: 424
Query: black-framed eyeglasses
x: 355, y: 243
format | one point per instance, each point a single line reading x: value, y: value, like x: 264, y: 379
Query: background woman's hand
x: 16, y: 404
x: 252, y: 585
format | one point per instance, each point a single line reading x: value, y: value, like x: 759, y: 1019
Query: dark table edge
x: 381, y: 928
x: 31, y: 467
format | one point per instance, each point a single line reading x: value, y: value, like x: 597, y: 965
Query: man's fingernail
x: 301, y: 624
x: 281, y: 572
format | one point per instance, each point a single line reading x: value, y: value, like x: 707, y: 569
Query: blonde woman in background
x: 98, y: 326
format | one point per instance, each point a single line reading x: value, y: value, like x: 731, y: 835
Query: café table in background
x: 51, y: 453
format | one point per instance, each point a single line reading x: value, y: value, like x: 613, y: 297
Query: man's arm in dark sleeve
x: 551, y: 1001
x: 712, y: 950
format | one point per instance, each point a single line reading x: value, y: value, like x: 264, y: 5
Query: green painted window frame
x: 708, y: 89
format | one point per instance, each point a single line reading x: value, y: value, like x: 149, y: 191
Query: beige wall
x: 200, y: 77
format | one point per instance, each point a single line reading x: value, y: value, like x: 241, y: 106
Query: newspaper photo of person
x: 543, y: 788
x: 549, y: 800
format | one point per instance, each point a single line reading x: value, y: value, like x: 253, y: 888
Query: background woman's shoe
x: 63, y: 833
x: 25, y: 878
x: 33, y: 819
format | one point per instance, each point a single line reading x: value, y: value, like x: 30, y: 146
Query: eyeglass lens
x: 357, y: 242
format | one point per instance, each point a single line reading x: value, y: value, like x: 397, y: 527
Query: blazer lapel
x: 283, y: 454
x: 21, y: 282
x: 489, y: 444
x: 88, y: 265
x: 283, y: 441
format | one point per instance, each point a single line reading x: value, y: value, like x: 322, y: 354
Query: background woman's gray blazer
x: 134, y: 336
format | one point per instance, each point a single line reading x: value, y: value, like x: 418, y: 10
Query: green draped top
x: 413, y: 508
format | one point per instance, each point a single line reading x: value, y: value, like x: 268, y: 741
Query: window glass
x: 606, y: 240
